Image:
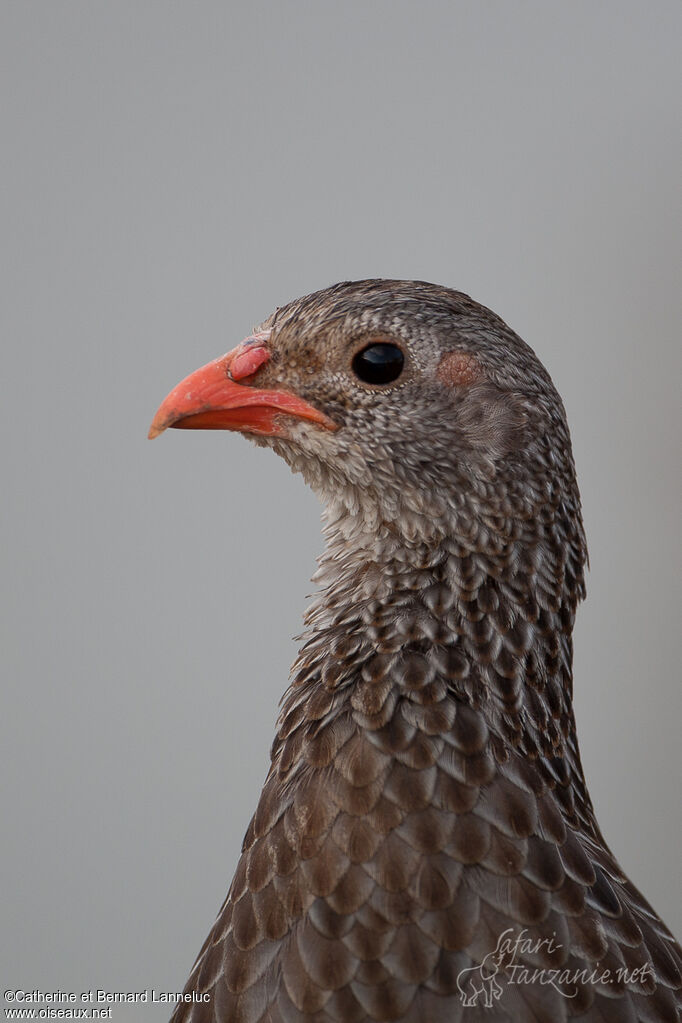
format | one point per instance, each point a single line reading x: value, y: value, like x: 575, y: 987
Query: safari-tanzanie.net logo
x: 484, y: 984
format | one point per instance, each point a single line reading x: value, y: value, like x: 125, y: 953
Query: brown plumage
x: 424, y: 847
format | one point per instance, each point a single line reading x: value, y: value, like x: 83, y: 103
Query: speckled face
x: 407, y: 407
x: 466, y: 403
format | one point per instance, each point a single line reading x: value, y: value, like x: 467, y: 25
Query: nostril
x: 247, y: 359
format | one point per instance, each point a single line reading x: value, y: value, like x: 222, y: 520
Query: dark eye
x: 379, y: 364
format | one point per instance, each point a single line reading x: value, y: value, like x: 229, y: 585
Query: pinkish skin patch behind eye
x: 459, y: 369
x: 249, y: 356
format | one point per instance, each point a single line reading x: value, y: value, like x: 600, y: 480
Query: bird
x: 424, y: 847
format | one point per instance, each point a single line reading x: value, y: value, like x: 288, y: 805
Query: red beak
x: 210, y: 398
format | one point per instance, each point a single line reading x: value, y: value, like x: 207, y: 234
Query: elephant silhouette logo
x: 481, y: 980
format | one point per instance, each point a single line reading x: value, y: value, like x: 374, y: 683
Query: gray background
x: 171, y: 173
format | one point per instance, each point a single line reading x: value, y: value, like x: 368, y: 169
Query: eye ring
x: 380, y: 363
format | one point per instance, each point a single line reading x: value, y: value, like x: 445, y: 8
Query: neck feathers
x: 440, y: 622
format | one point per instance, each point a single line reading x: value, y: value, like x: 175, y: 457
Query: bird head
x: 408, y: 407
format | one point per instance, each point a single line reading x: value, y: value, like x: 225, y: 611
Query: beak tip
x: 155, y: 430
